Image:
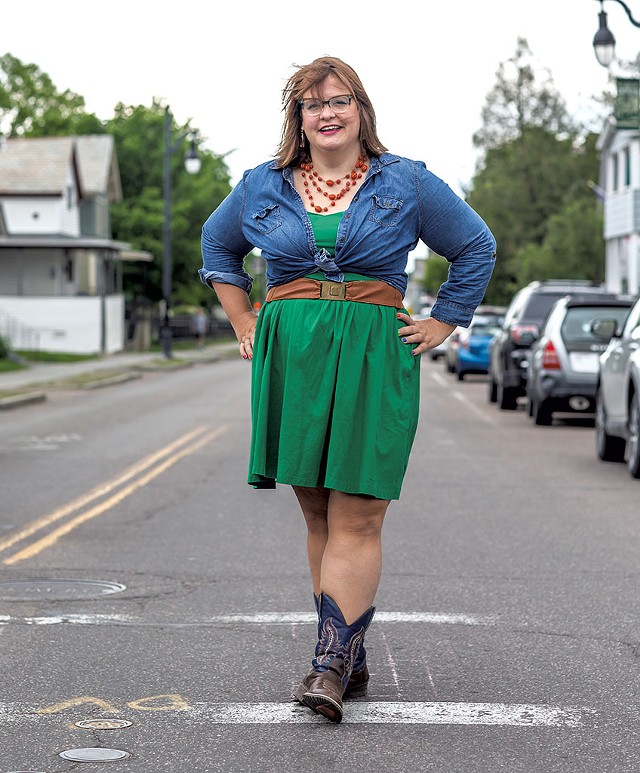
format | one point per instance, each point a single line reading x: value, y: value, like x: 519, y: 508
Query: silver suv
x: 618, y: 396
x: 562, y: 370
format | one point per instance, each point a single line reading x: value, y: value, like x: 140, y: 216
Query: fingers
x: 246, y: 342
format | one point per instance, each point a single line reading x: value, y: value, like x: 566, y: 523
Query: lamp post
x: 603, y: 41
x: 192, y: 165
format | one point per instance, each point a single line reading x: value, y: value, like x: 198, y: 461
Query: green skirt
x: 334, y: 397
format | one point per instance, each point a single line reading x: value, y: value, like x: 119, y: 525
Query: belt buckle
x: 333, y: 291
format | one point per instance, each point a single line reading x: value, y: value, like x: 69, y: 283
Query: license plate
x: 584, y: 362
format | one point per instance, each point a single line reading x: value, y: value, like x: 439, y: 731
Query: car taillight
x: 523, y: 334
x: 550, y: 359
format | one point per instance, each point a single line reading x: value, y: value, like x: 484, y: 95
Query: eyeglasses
x: 339, y: 104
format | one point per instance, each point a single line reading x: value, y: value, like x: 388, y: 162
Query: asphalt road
x: 142, y: 580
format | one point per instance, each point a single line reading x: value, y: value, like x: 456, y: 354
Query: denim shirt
x: 399, y: 203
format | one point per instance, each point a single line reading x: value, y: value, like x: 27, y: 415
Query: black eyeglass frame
x: 328, y: 102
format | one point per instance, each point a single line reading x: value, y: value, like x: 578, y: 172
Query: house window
x: 614, y: 172
x: 69, y: 196
x: 627, y: 167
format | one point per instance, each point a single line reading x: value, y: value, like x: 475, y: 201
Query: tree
x: 138, y: 218
x: 536, y: 164
x: 31, y: 106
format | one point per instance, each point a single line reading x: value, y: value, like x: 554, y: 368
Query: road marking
x: 272, y: 618
x: 356, y: 712
x: 438, y: 378
x: 52, y: 537
x: 396, y: 712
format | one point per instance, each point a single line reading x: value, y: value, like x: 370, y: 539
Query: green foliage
x: 139, y: 218
x: 533, y: 181
x: 31, y: 106
x: 436, y: 270
x: 4, y: 349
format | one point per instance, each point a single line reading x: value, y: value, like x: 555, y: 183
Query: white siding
x: 70, y: 325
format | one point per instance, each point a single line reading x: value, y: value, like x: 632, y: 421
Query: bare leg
x: 314, y: 503
x: 352, y: 557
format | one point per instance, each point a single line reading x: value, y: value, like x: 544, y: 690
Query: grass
x: 6, y: 366
x: 54, y: 356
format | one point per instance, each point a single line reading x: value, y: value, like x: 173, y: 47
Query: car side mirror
x: 604, y: 329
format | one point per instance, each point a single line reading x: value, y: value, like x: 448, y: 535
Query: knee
x: 358, y: 527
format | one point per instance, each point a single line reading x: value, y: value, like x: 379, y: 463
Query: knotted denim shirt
x: 399, y: 203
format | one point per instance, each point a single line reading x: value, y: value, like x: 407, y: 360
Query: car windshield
x: 576, y: 327
x: 540, y: 304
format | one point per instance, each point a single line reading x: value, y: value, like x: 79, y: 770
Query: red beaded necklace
x: 350, y: 180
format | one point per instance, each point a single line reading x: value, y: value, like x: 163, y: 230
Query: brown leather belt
x: 373, y: 291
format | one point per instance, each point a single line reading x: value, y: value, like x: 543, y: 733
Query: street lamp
x: 604, y: 43
x: 192, y: 165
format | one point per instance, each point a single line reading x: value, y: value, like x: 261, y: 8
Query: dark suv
x: 522, y: 322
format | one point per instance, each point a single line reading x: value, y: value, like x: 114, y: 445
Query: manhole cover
x: 94, y: 755
x: 103, y: 724
x: 57, y: 590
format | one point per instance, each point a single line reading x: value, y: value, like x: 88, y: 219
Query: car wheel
x: 506, y: 398
x: 609, y: 448
x: 540, y: 413
x: 461, y: 374
x: 493, y: 390
x: 633, y: 457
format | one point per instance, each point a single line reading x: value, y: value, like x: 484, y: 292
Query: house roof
x: 40, y: 165
x: 98, y: 167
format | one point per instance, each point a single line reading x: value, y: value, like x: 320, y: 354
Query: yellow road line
x: 99, y: 491
x: 50, y: 539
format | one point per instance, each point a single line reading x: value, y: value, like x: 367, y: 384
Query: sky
x: 427, y: 66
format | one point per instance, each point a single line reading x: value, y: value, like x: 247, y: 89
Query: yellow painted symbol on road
x: 168, y: 702
x: 59, y: 707
x: 173, y: 702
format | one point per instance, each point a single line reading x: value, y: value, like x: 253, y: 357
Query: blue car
x: 472, y: 354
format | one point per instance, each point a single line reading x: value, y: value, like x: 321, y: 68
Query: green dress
x: 334, y: 392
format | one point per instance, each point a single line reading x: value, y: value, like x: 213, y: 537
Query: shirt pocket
x: 385, y: 210
x: 268, y: 219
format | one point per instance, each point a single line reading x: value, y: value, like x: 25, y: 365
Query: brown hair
x: 310, y: 76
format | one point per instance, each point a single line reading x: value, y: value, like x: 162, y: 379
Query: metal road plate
x: 57, y: 590
x: 93, y: 755
x: 103, y: 724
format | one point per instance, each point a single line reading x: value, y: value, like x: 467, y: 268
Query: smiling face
x: 330, y: 131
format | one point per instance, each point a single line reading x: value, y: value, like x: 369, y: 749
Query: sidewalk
x: 32, y: 380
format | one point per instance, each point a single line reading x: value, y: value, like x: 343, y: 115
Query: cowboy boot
x: 358, y: 680
x: 336, y: 653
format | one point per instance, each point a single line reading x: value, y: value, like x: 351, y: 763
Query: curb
x: 119, y: 379
x: 26, y: 398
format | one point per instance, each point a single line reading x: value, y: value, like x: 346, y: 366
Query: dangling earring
x: 301, y: 137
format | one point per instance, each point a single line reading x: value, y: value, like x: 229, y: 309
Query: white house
x: 60, y: 271
x: 620, y: 185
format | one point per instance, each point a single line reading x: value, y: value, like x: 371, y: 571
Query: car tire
x: 609, y: 448
x: 506, y: 398
x: 541, y: 413
x: 493, y: 390
x: 633, y: 445
x: 461, y: 375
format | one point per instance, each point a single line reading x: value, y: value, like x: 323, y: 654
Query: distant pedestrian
x: 335, y: 383
x: 200, y: 327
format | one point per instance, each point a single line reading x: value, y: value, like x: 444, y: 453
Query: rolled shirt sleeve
x: 224, y: 246
x: 452, y: 229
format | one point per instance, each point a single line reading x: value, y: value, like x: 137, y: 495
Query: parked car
x: 562, y: 372
x: 451, y: 350
x: 618, y: 394
x: 510, y: 347
x: 472, y: 350
x: 495, y: 314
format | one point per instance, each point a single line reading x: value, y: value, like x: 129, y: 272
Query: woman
x: 335, y: 375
